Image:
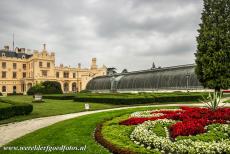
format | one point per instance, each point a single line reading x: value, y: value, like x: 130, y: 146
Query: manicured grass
x: 2, y: 105
x: 52, y: 107
x: 56, y: 107
x: 227, y: 101
x: 73, y: 132
x: 119, y: 135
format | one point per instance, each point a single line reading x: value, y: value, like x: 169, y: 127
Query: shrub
x: 12, y: 94
x: 14, y: 109
x: 52, y: 87
x: 59, y: 97
x: 47, y: 87
x: 132, y: 99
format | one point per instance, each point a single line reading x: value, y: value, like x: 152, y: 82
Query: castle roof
x: 14, y: 54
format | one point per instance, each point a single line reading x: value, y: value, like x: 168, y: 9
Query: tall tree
x: 213, y: 49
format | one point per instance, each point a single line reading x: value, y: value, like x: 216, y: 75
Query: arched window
x: 74, y: 87
x: 66, y: 87
x: 3, y: 88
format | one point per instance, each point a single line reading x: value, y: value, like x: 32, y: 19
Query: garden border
x: 108, y: 145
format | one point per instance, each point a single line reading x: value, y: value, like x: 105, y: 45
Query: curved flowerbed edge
x: 105, y: 143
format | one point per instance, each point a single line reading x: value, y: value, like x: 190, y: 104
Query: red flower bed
x: 191, y: 120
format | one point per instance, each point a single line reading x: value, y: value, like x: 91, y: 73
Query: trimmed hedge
x: 14, y: 109
x: 59, y: 97
x: 138, y: 100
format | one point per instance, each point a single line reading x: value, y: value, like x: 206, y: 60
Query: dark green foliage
x: 59, y: 97
x: 52, y: 87
x: 213, y: 49
x: 138, y: 98
x: 13, y: 94
x: 47, y: 87
x: 37, y: 89
x: 14, y: 109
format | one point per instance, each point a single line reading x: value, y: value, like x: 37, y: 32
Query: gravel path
x: 12, y: 131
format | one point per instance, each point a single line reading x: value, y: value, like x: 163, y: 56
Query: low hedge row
x: 14, y: 109
x: 138, y: 100
x: 59, y: 97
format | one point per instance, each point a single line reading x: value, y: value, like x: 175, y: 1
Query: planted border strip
x: 105, y: 143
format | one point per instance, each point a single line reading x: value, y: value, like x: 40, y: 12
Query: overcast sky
x: 120, y: 33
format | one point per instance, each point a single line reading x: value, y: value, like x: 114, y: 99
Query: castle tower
x: 94, y: 63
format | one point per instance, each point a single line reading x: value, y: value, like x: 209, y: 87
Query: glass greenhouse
x: 168, y: 78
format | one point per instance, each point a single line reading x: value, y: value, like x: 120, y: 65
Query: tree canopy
x: 213, y: 45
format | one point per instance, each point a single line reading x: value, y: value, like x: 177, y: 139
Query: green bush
x: 47, y: 87
x: 59, y: 97
x: 137, y: 99
x: 52, y: 87
x: 14, y: 109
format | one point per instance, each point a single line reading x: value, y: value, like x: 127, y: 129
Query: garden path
x: 12, y: 131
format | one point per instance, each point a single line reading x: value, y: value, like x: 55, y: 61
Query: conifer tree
x: 213, y: 45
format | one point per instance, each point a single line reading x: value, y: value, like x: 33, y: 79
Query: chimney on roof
x: 17, y: 50
x: 23, y: 50
x: 44, y: 47
x: 79, y: 65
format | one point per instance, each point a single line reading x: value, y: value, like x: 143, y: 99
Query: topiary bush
x: 47, y: 87
x: 133, y: 99
x: 14, y: 109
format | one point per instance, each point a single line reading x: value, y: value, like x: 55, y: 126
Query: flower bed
x: 188, y: 130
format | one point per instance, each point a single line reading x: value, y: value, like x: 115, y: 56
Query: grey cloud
x: 142, y: 30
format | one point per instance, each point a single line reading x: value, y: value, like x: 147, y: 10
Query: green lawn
x: 2, y: 105
x: 51, y: 107
x: 56, y: 107
x: 73, y: 132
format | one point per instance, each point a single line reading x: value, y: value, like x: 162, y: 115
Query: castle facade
x: 20, y: 70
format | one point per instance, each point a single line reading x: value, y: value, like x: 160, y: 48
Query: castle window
x: 4, y: 74
x: 3, y: 54
x: 14, y: 89
x: 3, y: 65
x: 48, y: 64
x: 66, y: 75
x: 74, y: 75
x: 3, y: 88
x: 23, y: 56
x: 14, y: 65
x: 14, y: 75
x: 24, y: 66
x: 44, y: 73
x: 57, y: 74
x: 40, y: 64
x: 24, y: 74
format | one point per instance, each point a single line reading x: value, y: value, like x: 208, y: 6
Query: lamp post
x: 187, y: 78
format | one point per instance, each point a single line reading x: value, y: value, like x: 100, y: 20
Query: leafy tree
x: 47, y: 87
x: 36, y: 89
x: 213, y: 49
